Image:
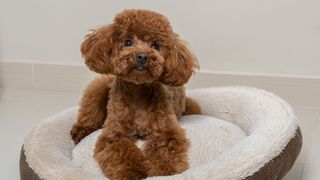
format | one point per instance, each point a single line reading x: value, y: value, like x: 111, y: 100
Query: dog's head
x: 140, y: 47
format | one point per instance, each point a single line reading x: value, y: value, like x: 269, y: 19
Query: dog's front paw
x: 79, y: 132
x: 165, y: 156
x: 119, y: 158
x: 128, y: 175
x: 165, y: 167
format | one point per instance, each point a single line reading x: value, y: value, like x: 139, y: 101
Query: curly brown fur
x: 137, y: 98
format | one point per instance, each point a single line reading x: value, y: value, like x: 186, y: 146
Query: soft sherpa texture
x: 209, y: 138
x: 268, y: 122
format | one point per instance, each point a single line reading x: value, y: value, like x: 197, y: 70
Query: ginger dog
x: 140, y: 95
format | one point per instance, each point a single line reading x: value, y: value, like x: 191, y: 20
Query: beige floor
x: 21, y: 109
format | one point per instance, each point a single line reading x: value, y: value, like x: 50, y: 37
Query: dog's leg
x: 115, y: 150
x: 93, y: 105
x: 191, y: 107
x: 165, y: 152
x: 119, y: 157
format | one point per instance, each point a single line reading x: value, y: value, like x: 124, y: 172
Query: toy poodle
x: 140, y: 95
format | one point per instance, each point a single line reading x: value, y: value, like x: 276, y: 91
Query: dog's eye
x: 155, y: 45
x: 128, y: 42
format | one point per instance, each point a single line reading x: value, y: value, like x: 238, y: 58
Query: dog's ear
x: 97, y: 48
x: 179, y: 65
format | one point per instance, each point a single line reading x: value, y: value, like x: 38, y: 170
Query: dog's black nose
x: 141, y: 58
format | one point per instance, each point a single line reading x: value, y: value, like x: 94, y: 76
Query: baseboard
x: 57, y: 77
x: 297, y: 90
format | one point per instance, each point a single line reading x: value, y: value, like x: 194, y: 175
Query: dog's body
x: 143, y: 99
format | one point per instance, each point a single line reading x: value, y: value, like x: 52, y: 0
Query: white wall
x: 251, y: 36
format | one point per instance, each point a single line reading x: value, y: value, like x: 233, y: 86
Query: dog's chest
x: 142, y: 119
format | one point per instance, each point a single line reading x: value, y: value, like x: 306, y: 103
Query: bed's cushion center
x: 209, y: 137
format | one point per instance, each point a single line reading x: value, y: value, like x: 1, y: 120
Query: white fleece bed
x: 240, y: 131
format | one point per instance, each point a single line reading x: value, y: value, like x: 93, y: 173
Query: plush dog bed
x: 244, y: 133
